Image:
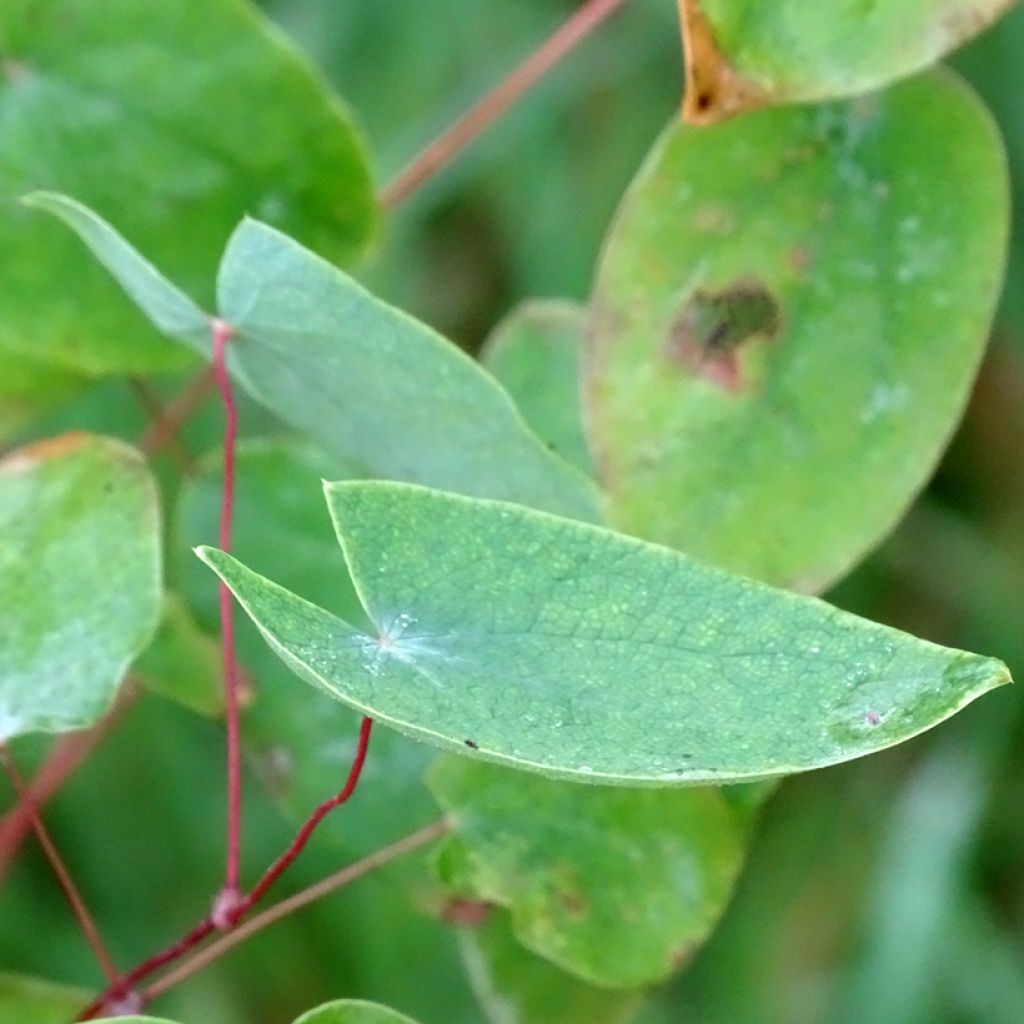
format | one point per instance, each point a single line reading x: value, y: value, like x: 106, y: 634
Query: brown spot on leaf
x: 798, y: 258
x: 466, y: 913
x: 712, y: 327
x: 679, y: 958
x: 714, y: 89
x: 714, y: 219
x: 575, y: 903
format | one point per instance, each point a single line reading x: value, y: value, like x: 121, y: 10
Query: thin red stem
x: 159, y: 417
x: 122, y: 986
x: 487, y: 110
x: 164, y: 430
x: 301, y: 899
x: 60, y: 869
x: 221, y: 336
x: 283, y: 862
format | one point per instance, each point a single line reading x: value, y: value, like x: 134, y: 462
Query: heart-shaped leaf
x: 743, y: 54
x: 180, y: 116
x: 788, y: 316
x: 375, y: 388
x: 79, y: 578
x: 567, y: 649
x: 301, y: 747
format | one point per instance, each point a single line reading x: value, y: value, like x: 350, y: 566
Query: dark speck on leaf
x: 471, y: 745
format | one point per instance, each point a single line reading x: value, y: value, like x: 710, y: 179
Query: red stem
x: 164, y: 430
x: 160, y: 419
x: 591, y: 14
x: 285, y: 860
x: 60, y: 869
x: 487, y: 110
x: 317, y: 891
x: 122, y: 986
x: 221, y: 336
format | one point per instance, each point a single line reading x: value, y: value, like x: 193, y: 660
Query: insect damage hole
x: 713, y: 327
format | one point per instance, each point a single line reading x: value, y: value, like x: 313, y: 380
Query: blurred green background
x: 889, y: 890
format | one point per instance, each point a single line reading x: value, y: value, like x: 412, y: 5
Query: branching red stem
x: 160, y: 419
x: 121, y: 986
x: 283, y: 862
x: 221, y: 336
x: 442, y: 150
x: 487, y: 110
x: 60, y: 869
x: 163, y: 431
x: 301, y: 899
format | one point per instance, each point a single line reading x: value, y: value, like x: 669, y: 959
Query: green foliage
x: 300, y: 744
x: 198, y: 111
x: 80, y: 557
x: 342, y: 1011
x: 535, y: 352
x: 789, y: 451
x: 614, y: 886
x: 744, y: 54
x: 596, y: 656
x: 32, y: 1001
x: 423, y: 412
x: 353, y: 1011
x: 516, y: 987
x: 183, y: 663
x: 787, y: 318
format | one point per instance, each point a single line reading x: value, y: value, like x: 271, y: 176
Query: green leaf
x: 566, y: 649
x: 132, y: 1020
x: 371, y: 385
x: 343, y: 1011
x: 300, y: 746
x: 79, y: 578
x: 516, y: 987
x: 183, y: 663
x: 376, y: 387
x: 353, y: 1011
x: 613, y: 885
x: 788, y: 316
x: 26, y: 1000
x: 179, y: 117
x: 30, y: 387
x: 743, y: 55
x: 172, y: 312
x: 535, y: 352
